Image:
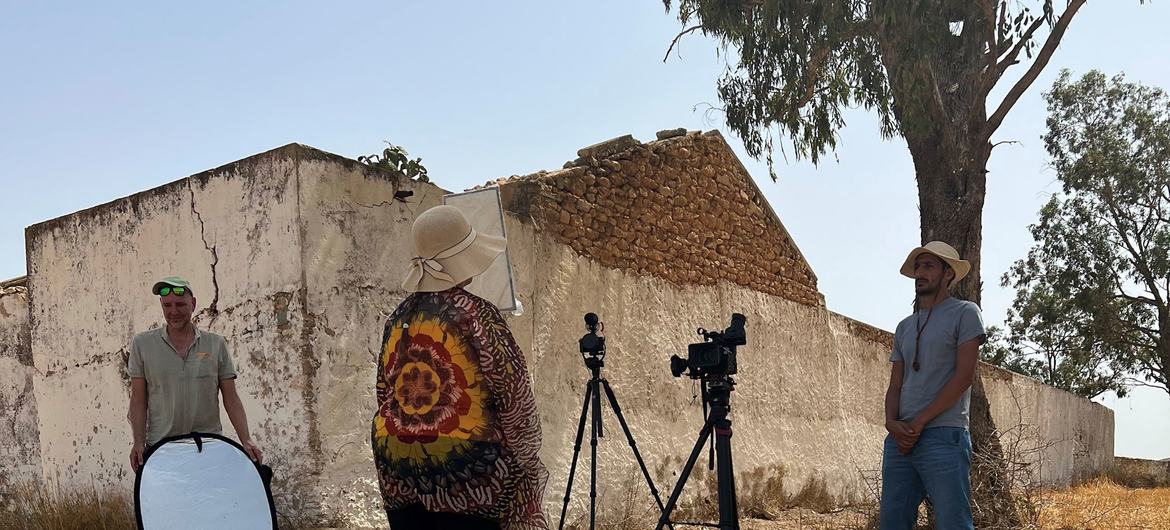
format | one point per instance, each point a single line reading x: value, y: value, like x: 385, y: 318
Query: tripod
x: 717, y: 392
x: 592, y: 408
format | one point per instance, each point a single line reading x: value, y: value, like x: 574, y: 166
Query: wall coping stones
x: 609, y: 147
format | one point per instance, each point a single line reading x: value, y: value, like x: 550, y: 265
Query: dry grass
x: 1103, y: 504
x: 29, y: 506
x: 1097, y: 505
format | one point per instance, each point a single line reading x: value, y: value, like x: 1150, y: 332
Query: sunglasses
x: 168, y: 290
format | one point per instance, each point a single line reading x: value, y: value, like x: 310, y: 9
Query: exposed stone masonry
x: 682, y: 208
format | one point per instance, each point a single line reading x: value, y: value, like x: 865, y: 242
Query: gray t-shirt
x: 182, y: 395
x: 952, y: 323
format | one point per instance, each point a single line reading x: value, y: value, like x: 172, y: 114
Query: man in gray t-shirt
x: 177, y: 373
x: 936, y: 349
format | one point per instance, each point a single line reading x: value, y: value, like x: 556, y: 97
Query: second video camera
x: 715, y: 355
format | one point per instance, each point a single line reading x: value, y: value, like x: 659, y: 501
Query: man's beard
x: 926, y: 290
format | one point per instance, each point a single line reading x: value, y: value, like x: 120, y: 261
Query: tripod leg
x: 728, y: 508
x: 576, y: 452
x: 593, y: 455
x: 617, y: 410
x: 704, y: 433
x: 597, y: 407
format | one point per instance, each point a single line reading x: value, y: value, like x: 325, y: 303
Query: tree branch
x: 1137, y: 299
x: 1133, y: 381
x: 1033, y: 72
x: 1151, y: 334
x: 1010, y: 59
x: 814, y: 75
x: 691, y: 29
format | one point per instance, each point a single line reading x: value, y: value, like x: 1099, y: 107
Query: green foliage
x: 1092, y: 301
x: 395, y: 159
x: 776, y: 82
x: 921, y: 65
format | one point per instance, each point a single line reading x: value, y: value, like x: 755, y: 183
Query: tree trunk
x: 938, y: 80
x: 1161, y: 367
x: 952, y: 183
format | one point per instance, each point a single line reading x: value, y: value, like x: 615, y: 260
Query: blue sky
x: 101, y: 100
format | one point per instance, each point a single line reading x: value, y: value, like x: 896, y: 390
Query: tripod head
x: 716, y: 393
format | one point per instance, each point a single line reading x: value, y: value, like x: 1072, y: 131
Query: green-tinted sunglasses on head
x: 172, y: 285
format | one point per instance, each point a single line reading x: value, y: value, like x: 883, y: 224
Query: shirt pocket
x: 205, y: 365
x: 206, y: 374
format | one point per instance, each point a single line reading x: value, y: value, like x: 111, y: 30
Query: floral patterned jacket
x: 457, y: 428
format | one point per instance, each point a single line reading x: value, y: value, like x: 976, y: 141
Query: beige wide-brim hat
x: 945, y: 252
x: 448, y: 250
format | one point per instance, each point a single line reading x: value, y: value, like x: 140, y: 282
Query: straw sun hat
x: 448, y: 250
x: 944, y: 252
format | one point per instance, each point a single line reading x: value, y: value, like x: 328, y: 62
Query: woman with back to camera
x: 456, y: 435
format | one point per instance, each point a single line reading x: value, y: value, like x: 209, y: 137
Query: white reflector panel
x: 212, y: 485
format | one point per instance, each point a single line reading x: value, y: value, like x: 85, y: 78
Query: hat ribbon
x: 421, y: 265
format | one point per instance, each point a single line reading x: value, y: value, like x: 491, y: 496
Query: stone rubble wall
x: 682, y: 208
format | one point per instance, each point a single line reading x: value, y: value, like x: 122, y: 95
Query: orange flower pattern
x: 456, y: 428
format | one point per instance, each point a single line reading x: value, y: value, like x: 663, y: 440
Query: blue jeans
x: 939, y: 467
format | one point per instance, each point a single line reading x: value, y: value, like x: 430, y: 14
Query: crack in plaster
x: 12, y: 409
x: 213, y: 308
x: 378, y: 205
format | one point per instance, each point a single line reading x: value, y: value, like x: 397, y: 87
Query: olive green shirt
x: 182, y: 395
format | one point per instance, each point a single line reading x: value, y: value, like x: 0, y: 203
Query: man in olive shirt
x: 176, y: 375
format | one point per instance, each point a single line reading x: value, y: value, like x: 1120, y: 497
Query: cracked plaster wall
x: 798, y: 383
x: 288, y: 256
x: 233, y: 233
x: 357, y: 243
x: 19, y: 438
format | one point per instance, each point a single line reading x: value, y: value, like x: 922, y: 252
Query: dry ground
x: 1099, y: 505
x: 1103, y: 504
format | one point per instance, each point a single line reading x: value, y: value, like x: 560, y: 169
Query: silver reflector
x: 202, y: 481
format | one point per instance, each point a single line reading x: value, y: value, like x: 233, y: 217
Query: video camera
x: 715, y: 355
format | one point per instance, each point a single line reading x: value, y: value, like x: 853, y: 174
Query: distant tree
x: 1053, y: 364
x: 1093, y: 294
x: 395, y: 159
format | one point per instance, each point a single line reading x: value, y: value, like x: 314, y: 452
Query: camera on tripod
x: 592, y: 345
x: 715, y: 355
x: 593, y: 353
x: 712, y: 362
